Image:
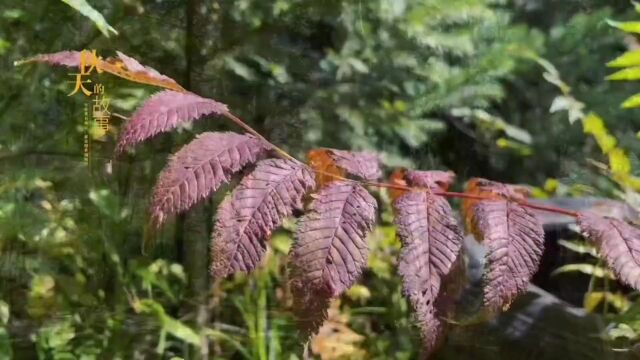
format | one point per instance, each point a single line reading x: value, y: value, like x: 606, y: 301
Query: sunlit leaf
x: 579, y: 247
x: 619, y: 162
x: 630, y: 58
x: 626, y: 26
x: 632, y: 73
x: 594, y: 125
x: 632, y: 102
x: 168, y: 324
x: 589, y: 269
x: 87, y: 10
x: 593, y: 299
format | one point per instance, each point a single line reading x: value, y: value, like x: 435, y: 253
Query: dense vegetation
x: 513, y: 91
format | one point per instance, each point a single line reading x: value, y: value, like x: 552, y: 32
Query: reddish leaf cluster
x: 330, y: 249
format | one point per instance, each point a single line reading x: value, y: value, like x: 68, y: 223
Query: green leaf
x: 87, y: 10
x: 632, y: 73
x: 594, y: 125
x: 627, y: 26
x: 4, y: 313
x: 580, y: 247
x: 108, y: 204
x: 169, y: 324
x: 358, y: 293
x: 240, y: 69
x: 588, y: 269
x: 6, y: 352
x: 630, y: 58
x: 181, y: 331
x: 415, y: 132
x: 632, y: 102
x: 219, y: 335
x: 593, y: 299
x: 619, y: 162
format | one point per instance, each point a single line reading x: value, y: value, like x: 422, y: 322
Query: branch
x: 450, y: 194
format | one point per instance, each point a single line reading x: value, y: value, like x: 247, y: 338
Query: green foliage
x: 85, y: 9
x: 436, y: 83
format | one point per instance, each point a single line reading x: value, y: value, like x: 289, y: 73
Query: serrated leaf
x: 330, y: 247
x: 617, y: 242
x: 330, y: 250
x: 87, y: 10
x: 491, y: 189
x: 256, y: 207
x: 163, y: 112
x: 199, y: 168
x: 515, y: 242
x: 513, y: 236
x: 431, y: 242
x: 123, y: 66
x: 309, y: 307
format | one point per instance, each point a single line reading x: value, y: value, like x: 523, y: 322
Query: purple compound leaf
x: 618, y: 242
x: 431, y: 242
x: 256, y: 207
x: 330, y: 250
x: 163, y: 112
x: 199, y: 168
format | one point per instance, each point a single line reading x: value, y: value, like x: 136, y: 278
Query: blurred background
x: 514, y: 91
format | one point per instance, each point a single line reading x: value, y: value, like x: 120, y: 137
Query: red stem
x: 448, y: 194
x: 552, y: 209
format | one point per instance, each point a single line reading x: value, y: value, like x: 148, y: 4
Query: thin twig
x: 250, y: 130
x: 449, y: 194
